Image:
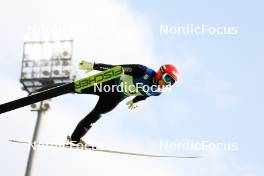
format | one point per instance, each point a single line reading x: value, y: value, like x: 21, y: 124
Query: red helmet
x: 168, y: 73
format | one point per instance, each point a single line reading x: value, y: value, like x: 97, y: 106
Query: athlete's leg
x: 106, y: 103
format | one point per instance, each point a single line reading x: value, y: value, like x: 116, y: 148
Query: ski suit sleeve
x: 139, y: 98
x: 135, y: 70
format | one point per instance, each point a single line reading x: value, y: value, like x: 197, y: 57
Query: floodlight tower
x: 44, y: 63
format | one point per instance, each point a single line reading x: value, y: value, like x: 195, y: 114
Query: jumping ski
x: 96, y: 149
x: 76, y: 86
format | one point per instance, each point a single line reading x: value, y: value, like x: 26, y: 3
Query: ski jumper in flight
x: 137, y: 80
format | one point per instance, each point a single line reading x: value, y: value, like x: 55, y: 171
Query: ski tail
x: 37, y: 97
x: 51, y: 91
x: 46, y: 87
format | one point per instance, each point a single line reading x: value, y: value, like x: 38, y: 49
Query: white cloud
x: 118, y: 35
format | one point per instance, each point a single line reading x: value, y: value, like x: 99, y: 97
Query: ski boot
x: 78, y: 144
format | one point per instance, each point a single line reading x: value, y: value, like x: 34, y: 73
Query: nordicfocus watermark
x: 191, y: 145
x: 131, y: 88
x: 191, y: 29
x: 36, y: 146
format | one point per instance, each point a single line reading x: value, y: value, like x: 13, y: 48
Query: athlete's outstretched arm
x: 132, y: 104
x: 139, y: 98
x: 135, y: 70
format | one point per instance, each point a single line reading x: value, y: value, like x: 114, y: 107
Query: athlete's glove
x: 88, y: 66
x: 131, y: 105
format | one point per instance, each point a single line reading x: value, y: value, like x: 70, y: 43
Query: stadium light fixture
x: 44, y: 63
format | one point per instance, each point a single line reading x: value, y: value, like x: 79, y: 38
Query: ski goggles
x: 168, y: 79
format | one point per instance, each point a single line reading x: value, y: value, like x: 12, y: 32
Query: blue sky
x: 234, y: 59
x: 219, y: 96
